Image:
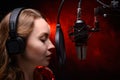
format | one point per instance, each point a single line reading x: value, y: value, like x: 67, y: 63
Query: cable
x: 104, y: 5
x: 59, y: 11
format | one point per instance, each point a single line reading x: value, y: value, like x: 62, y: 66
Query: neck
x: 26, y: 67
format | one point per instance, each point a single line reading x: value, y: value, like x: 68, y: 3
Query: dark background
x: 103, y: 51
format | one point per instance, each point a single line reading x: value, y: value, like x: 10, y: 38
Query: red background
x: 103, y: 51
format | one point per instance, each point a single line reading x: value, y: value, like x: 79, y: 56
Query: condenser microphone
x: 80, y: 39
x: 79, y: 35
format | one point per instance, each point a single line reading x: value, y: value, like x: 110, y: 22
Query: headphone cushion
x: 15, y: 46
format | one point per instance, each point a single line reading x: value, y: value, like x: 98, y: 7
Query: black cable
x: 104, y: 5
x: 59, y: 11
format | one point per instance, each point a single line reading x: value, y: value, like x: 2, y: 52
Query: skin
x: 38, y: 49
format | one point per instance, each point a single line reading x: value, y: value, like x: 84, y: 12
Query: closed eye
x: 44, y: 37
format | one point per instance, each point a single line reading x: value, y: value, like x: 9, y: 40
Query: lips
x: 48, y: 57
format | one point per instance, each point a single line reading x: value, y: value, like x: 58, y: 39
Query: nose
x: 50, y: 45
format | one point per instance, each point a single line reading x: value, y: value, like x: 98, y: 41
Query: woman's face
x: 38, y: 47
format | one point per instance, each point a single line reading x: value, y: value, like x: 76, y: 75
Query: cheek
x: 36, y: 50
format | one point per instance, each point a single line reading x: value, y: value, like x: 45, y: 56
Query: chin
x: 45, y: 63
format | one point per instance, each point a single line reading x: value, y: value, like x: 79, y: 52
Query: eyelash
x: 43, y: 40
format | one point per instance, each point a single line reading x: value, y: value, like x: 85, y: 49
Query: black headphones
x: 15, y: 44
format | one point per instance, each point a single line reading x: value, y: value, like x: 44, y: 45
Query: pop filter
x: 59, y: 39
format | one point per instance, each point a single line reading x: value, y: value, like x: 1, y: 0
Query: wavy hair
x: 9, y: 69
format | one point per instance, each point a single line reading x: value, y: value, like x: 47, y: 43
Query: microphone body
x: 79, y: 35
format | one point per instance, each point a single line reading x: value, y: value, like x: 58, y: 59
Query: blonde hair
x: 9, y: 70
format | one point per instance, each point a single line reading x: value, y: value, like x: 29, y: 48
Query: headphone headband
x: 13, y: 21
x: 15, y: 44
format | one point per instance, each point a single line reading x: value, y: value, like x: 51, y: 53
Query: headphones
x: 15, y: 44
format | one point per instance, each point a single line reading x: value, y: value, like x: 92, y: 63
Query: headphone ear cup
x: 15, y: 46
x: 21, y: 43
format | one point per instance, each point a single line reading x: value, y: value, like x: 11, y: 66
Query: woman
x: 34, y: 29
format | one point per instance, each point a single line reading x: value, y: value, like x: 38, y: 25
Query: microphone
x: 80, y: 38
x: 79, y: 34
